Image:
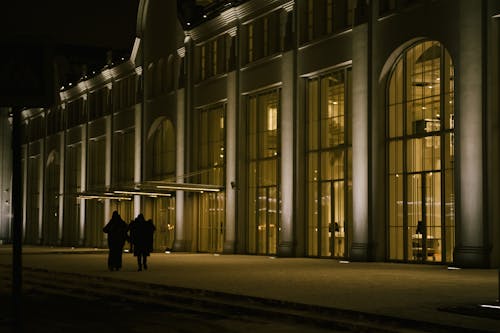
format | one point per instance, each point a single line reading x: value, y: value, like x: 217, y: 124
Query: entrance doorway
x: 267, y: 220
x: 424, y: 216
x: 420, y: 144
x: 212, y: 222
x: 162, y: 211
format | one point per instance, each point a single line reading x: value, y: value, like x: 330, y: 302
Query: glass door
x: 211, y: 222
x: 267, y: 223
x: 332, y: 230
x: 424, y: 216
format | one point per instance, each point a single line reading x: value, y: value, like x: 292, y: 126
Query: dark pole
x: 17, y: 225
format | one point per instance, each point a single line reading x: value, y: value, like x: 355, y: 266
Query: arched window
x: 163, y: 151
x: 420, y: 145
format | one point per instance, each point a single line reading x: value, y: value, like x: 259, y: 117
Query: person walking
x: 141, y: 237
x: 116, y: 229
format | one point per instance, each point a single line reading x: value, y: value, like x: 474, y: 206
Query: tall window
x: 163, y: 163
x: 329, y: 193
x: 323, y: 17
x: 263, y: 183
x: 72, y: 185
x: 212, y: 156
x: 96, y: 163
x: 51, y: 194
x: 123, y: 156
x: 420, y: 143
x: 212, y: 57
x: 263, y: 37
x: 33, y: 199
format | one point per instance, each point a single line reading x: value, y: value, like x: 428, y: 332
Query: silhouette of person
x: 141, y: 236
x: 116, y: 229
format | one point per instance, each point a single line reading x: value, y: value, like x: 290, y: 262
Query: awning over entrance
x: 149, y: 189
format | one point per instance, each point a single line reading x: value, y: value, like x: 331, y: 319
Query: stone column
x: 62, y: 160
x: 231, y: 180
x: 180, y: 242
x: 287, y: 116
x: 470, y: 250
x: 360, y: 143
x: 83, y: 184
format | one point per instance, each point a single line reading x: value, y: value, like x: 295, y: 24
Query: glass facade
x: 329, y: 180
x: 421, y: 155
x: 212, y: 157
x: 263, y: 174
x: 163, y: 163
x: 72, y: 186
x: 163, y: 151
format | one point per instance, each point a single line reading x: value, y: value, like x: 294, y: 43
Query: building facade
x: 356, y: 130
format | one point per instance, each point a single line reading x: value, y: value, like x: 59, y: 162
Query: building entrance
x: 162, y: 211
x: 211, y: 222
x: 267, y: 220
x: 420, y: 143
x: 332, y: 232
x: 424, y: 216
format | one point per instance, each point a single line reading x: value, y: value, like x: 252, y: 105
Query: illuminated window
x: 163, y: 151
x: 212, y: 156
x: 263, y: 182
x: 324, y: 17
x: 420, y: 143
x: 329, y: 186
x: 123, y: 156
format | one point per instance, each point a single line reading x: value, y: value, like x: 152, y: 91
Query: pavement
x: 406, y: 291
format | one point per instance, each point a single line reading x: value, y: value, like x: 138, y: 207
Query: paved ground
x: 401, y: 290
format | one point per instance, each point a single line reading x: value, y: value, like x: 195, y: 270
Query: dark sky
x: 90, y: 23
x: 75, y: 36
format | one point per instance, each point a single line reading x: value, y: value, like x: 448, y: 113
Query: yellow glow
x: 191, y: 187
x: 144, y: 193
x: 110, y: 197
x: 272, y: 118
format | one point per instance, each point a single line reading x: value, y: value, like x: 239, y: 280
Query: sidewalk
x: 407, y: 291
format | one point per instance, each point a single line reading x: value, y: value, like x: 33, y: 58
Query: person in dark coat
x: 141, y: 236
x: 117, y: 235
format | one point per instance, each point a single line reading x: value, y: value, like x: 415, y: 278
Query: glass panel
x: 272, y: 220
x: 313, y: 114
x: 395, y: 157
x: 312, y: 221
x: 332, y: 110
x: 433, y: 216
x: 262, y: 221
x: 332, y: 165
x: 203, y: 224
x: 327, y: 114
x: 396, y: 217
x: 424, y: 154
x: 415, y: 217
x: 449, y: 211
x: 312, y: 207
x: 263, y: 141
x: 326, y: 218
x: 252, y: 220
x: 339, y: 219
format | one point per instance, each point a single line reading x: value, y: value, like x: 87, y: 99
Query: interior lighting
x: 344, y: 262
x: 496, y: 307
x: 111, y: 197
x: 451, y: 268
x: 190, y: 187
x: 153, y: 194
